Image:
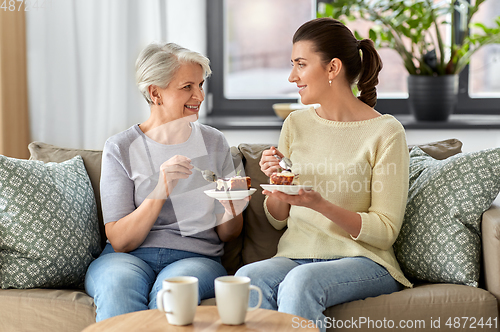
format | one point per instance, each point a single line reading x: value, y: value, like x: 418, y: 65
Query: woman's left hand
x: 306, y: 198
x: 235, y: 207
x: 230, y: 223
x: 348, y: 220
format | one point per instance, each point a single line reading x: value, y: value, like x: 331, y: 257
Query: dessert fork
x: 207, y: 174
x: 284, y: 162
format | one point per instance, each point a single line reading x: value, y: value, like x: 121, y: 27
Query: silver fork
x: 207, y: 174
x: 284, y: 162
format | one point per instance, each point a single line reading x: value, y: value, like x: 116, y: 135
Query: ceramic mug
x: 231, y: 296
x: 178, y: 299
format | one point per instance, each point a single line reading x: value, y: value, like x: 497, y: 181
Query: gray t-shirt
x: 130, y: 170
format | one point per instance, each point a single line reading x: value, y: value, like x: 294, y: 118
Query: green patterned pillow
x: 440, y: 240
x: 49, y: 232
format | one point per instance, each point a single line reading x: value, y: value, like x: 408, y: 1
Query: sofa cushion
x: 441, y: 149
x: 440, y: 239
x: 45, y: 310
x: 232, y: 259
x: 92, y: 160
x: 417, y: 307
x: 260, y: 239
x: 49, y: 232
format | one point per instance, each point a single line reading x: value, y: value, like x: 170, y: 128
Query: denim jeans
x: 306, y: 287
x: 126, y: 282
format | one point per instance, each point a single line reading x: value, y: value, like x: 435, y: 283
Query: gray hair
x: 158, y: 63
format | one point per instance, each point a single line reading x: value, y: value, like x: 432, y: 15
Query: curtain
x: 14, y: 123
x: 81, y: 64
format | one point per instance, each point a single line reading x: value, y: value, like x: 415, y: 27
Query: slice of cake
x: 233, y: 183
x: 282, y: 178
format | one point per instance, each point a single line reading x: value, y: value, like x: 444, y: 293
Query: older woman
x: 158, y: 221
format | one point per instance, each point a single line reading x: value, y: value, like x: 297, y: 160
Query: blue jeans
x: 126, y: 282
x: 306, y: 287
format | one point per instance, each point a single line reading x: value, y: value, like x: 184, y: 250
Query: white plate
x: 229, y: 195
x: 287, y: 189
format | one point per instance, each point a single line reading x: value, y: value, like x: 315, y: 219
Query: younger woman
x: 338, y: 245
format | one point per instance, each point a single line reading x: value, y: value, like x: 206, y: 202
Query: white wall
x: 186, y: 25
x: 81, y: 63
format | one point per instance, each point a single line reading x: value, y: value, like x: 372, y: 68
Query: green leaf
x: 372, y: 34
x: 412, y: 28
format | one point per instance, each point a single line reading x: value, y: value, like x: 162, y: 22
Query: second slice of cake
x: 233, y: 183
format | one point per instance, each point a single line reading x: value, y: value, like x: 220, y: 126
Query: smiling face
x: 183, y: 96
x: 308, y: 72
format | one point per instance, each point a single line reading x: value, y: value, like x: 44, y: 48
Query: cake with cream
x: 233, y: 183
x: 283, y: 178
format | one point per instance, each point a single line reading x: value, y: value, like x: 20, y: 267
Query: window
x: 484, y: 79
x: 393, y: 78
x: 257, y: 46
x: 249, y: 45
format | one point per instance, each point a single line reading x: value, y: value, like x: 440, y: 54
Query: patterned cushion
x: 440, y: 239
x: 92, y: 160
x: 48, y: 223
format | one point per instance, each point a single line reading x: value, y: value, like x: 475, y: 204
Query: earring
x: 330, y: 81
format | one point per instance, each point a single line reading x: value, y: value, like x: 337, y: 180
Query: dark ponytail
x: 332, y: 39
x: 371, y: 65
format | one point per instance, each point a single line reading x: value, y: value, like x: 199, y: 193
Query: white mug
x: 231, y: 296
x: 178, y: 299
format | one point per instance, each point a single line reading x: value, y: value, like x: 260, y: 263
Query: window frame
x: 218, y: 105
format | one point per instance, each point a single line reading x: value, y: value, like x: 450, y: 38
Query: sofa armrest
x: 490, y: 228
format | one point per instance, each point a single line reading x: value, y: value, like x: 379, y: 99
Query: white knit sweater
x: 360, y: 166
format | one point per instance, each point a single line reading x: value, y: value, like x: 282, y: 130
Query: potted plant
x: 414, y: 28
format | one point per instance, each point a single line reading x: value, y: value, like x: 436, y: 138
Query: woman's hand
x: 348, y: 220
x: 235, y: 207
x: 307, y: 198
x: 268, y: 162
x: 230, y: 223
x: 171, y: 171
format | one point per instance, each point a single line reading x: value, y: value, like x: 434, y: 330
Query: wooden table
x: 206, y: 319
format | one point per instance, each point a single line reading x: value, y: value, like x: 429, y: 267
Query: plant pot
x: 432, y: 98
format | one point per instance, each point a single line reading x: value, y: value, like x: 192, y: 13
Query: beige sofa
x: 72, y: 310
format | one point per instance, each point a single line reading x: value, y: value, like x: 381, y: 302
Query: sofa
x: 444, y: 305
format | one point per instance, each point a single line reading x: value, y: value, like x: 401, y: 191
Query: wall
x: 81, y: 63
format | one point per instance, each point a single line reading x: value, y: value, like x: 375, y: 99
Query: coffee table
x: 206, y: 319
